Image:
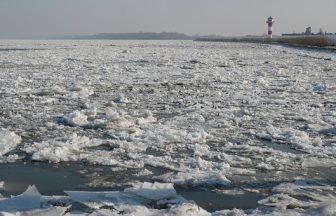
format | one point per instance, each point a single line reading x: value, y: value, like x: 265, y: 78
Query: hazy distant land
x: 129, y: 36
x: 301, y: 40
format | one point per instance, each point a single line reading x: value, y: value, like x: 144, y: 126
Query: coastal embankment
x: 304, y: 40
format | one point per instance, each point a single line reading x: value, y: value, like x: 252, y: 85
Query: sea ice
x: 8, y: 141
x: 72, y: 149
x: 210, y: 115
x: 29, y: 200
x: 138, y: 200
x: 154, y: 191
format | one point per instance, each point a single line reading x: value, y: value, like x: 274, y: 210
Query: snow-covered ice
x: 8, y: 141
x: 215, y: 116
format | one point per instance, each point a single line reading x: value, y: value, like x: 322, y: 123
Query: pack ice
x: 230, y: 118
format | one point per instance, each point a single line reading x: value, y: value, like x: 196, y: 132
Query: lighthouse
x: 270, y: 22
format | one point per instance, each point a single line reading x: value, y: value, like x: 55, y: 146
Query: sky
x: 39, y: 18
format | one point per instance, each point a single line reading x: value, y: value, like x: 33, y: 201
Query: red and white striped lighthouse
x: 270, y: 22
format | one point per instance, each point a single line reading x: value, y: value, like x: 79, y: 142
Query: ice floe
x: 141, y: 199
x: 199, y: 115
x: 61, y: 149
x: 8, y: 141
x: 29, y: 200
x: 156, y: 198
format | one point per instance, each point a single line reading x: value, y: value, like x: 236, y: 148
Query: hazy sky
x: 26, y: 18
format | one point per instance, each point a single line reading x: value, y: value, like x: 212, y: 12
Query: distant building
x: 320, y: 32
x: 308, y: 31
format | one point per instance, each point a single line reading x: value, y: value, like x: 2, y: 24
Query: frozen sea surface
x: 239, y: 128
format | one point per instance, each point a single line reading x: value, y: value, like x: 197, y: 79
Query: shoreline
x: 313, y: 41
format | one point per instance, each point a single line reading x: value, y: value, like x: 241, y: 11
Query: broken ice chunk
x: 154, y: 191
x: 29, y: 200
x: 8, y: 141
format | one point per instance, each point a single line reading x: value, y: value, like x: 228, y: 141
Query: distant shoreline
x: 325, y: 42
x: 320, y: 41
x: 125, y: 36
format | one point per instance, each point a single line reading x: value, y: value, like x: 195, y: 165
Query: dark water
x: 213, y: 201
x: 54, y: 180
x: 49, y: 180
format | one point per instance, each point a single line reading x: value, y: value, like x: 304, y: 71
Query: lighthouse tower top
x: 270, y: 20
